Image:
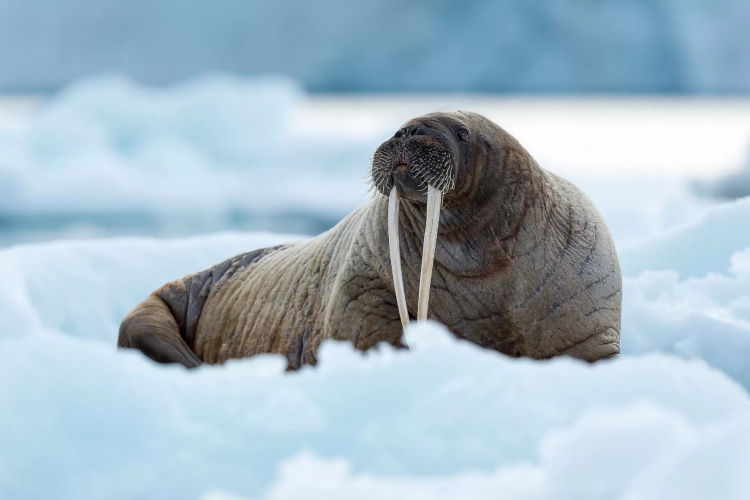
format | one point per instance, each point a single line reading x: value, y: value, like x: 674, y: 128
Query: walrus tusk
x: 434, y: 202
x: 393, y: 243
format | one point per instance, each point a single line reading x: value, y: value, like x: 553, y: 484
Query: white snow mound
x: 444, y: 420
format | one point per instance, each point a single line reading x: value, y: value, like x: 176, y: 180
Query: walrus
x: 463, y: 228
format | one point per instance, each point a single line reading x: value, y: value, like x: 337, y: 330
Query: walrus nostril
x: 416, y: 130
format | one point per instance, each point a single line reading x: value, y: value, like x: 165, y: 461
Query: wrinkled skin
x: 524, y: 264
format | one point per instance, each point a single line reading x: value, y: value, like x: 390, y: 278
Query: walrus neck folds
x: 511, y: 177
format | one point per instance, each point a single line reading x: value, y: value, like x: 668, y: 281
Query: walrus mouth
x: 434, y: 201
x: 417, y: 165
x: 427, y: 163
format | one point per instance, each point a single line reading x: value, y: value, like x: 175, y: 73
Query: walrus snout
x: 409, y: 185
x: 412, y: 163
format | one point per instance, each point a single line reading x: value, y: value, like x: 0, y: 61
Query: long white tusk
x: 393, y: 243
x: 434, y: 202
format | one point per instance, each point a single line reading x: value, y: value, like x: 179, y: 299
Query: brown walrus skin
x: 524, y: 264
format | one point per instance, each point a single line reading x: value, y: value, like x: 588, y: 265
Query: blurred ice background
x: 625, y: 46
x: 108, y: 156
x: 140, y: 141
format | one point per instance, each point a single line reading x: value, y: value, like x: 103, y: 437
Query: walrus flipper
x: 604, y: 345
x: 152, y: 328
x: 164, y: 325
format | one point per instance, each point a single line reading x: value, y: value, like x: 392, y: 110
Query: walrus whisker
x: 434, y: 200
x: 393, y: 243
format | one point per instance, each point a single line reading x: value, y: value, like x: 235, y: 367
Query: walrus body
x: 524, y: 264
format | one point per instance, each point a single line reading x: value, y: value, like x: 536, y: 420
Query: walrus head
x: 429, y: 159
x: 426, y: 151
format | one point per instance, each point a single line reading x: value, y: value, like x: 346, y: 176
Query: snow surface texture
x: 664, y: 46
x: 670, y: 419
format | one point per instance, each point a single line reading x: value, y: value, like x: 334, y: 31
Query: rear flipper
x: 164, y: 325
x: 152, y: 328
x: 603, y: 345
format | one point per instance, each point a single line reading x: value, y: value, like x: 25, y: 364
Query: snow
x: 210, y: 144
x: 694, y: 249
x: 108, y: 156
x: 78, y: 419
x: 734, y: 184
x: 446, y: 417
x: 669, y: 419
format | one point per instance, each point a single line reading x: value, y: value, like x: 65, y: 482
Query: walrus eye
x: 463, y: 134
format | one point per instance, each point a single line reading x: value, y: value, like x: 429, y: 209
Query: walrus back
x: 278, y: 304
x: 271, y: 300
x: 165, y: 324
